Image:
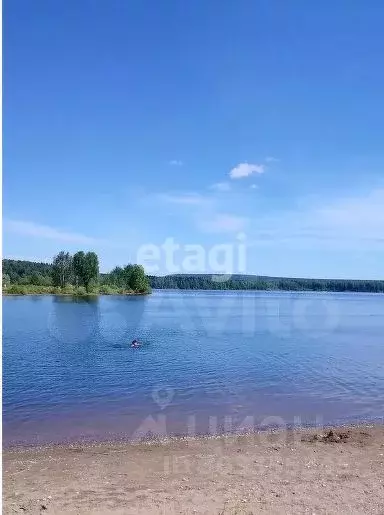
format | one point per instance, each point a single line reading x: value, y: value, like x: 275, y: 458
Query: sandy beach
x: 290, y: 472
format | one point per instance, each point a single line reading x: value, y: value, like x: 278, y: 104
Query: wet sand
x: 291, y: 472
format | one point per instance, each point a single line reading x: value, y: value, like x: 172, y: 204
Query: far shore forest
x: 79, y: 275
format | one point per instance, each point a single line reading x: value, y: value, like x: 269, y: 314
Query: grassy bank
x: 80, y: 291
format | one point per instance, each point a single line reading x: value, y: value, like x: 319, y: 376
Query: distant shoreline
x: 24, y: 274
x: 129, y: 294
x: 133, y: 294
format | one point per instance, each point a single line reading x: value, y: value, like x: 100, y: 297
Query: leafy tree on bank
x: 138, y: 280
x: 86, y: 269
x: 40, y: 280
x: 128, y: 270
x: 78, y: 264
x: 116, y: 277
x: 129, y: 278
x: 62, y: 269
x: 90, y: 270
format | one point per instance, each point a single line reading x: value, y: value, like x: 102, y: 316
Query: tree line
x: 249, y: 282
x: 81, y: 271
x: 78, y: 274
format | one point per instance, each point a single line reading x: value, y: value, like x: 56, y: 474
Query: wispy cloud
x: 176, y: 162
x: 223, y: 223
x: 182, y: 198
x: 253, y: 186
x: 205, y: 211
x: 221, y: 186
x: 271, y: 159
x: 245, y: 170
x: 28, y: 228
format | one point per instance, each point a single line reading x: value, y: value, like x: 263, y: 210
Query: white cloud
x: 44, y: 231
x: 176, y: 162
x: 223, y: 223
x: 245, y: 170
x: 221, y: 186
x: 253, y: 186
x: 271, y: 159
x: 182, y: 198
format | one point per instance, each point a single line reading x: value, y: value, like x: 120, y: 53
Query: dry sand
x: 282, y: 473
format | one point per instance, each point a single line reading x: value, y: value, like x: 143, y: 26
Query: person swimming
x: 135, y: 344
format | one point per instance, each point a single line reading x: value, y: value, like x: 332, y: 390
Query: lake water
x: 210, y: 361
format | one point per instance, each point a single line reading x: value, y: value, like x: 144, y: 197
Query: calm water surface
x: 210, y: 361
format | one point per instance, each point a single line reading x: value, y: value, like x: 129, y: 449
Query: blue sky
x: 127, y: 123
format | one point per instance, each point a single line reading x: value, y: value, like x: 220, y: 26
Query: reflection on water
x: 73, y: 319
x: 209, y: 362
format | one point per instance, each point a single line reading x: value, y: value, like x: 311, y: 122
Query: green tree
x: 116, y: 277
x: 40, y: 280
x: 25, y: 279
x: 138, y: 280
x: 79, y: 267
x: 90, y: 270
x: 127, y: 274
x: 62, y: 269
